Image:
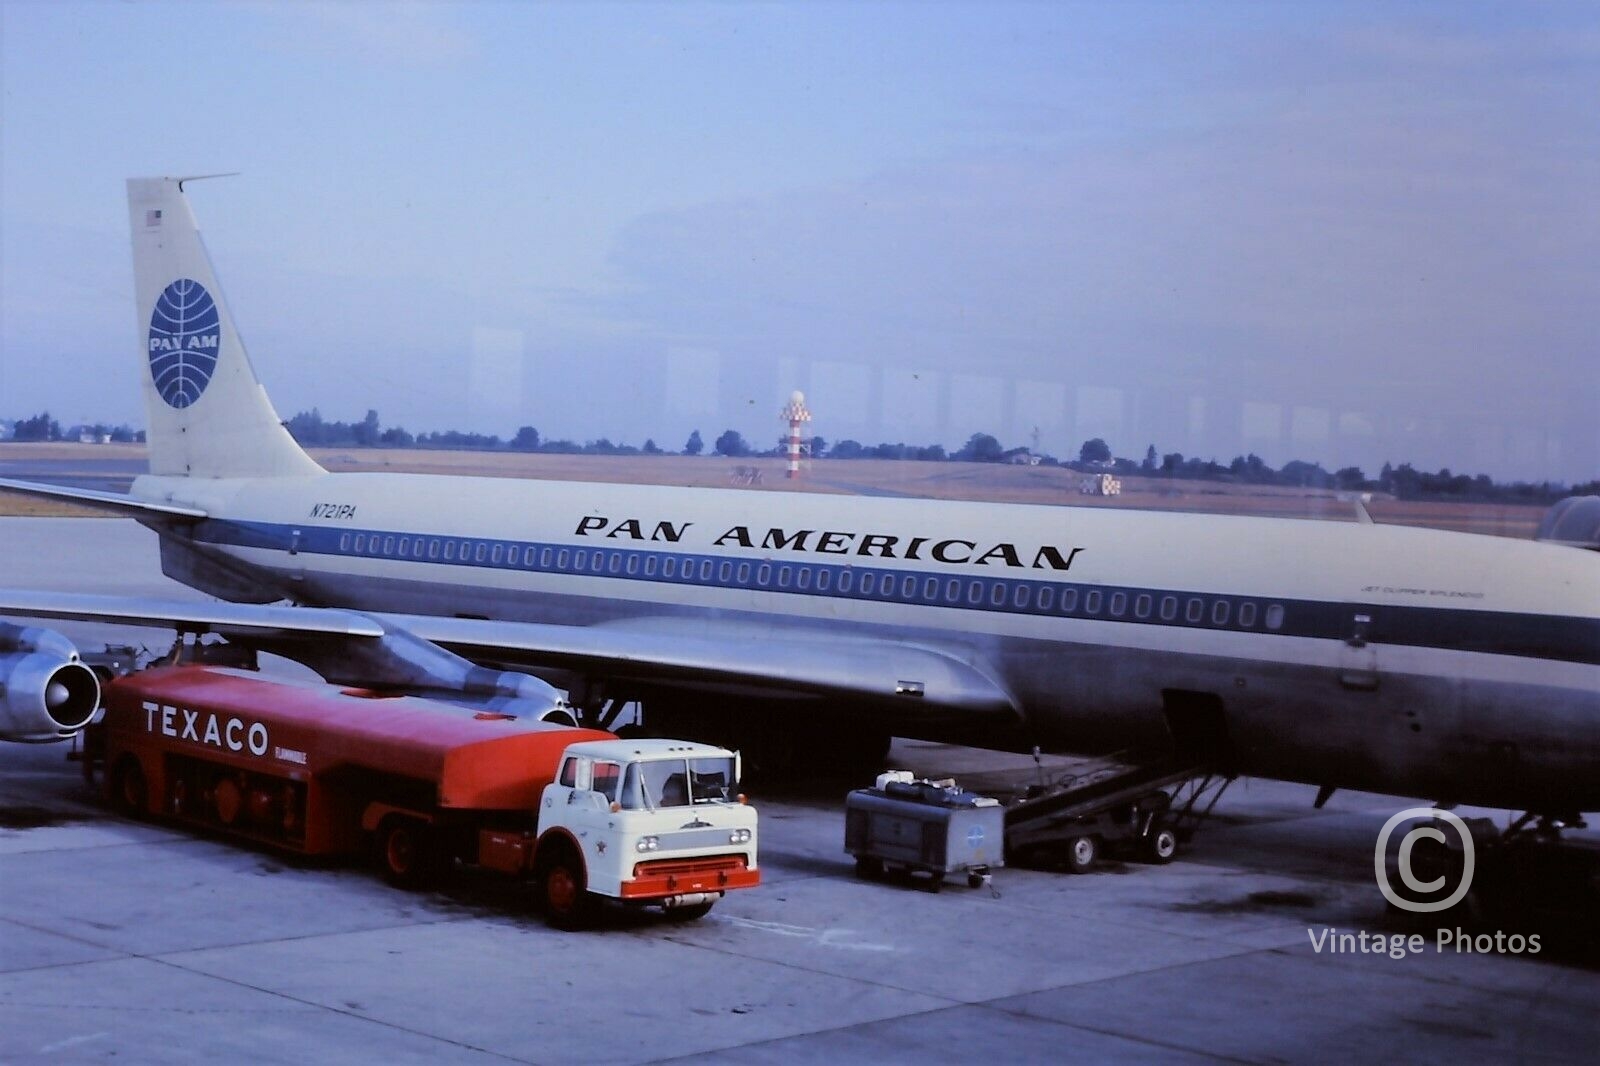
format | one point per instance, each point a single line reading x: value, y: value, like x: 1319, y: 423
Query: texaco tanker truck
x: 325, y: 771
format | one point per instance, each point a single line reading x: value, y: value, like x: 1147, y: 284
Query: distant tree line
x: 1095, y: 455
x: 41, y: 427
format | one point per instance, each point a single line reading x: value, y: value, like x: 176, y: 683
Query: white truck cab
x: 645, y: 822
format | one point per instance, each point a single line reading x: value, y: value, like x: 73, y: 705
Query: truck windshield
x: 676, y: 782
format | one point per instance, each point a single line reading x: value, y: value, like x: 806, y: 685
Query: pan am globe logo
x: 185, y: 340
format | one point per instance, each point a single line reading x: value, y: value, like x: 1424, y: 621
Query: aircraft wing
x: 917, y: 679
x: 115, y: 502
x: 911, y: 679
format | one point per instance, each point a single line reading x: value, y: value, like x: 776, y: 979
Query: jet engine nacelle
x: 46, y: 693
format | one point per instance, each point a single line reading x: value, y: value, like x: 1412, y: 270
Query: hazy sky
x: 1338, y: 232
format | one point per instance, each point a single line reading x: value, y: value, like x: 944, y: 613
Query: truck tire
x: 1082, y: 853
x: 869, y: 868
x: 1161, y: 846
x: 405, y: 851
x: 568, y: 904
x: 129, y: 793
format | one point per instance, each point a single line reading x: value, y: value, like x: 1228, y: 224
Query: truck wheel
x: 567, y: 902
x: 128, y: 789
x: 405, y: 849
x: 1081, y: 854
x: 1161, y: 846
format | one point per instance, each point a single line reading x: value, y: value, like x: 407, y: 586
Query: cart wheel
x: 1081, y: 854
x: 405, y: 849
x: 1161, y: 846
x: 935, y: 881
x: 868, y: 868
x: 567, y: 902
x: 975, y: 880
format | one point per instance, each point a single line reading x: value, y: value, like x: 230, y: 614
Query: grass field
x: 985, y: 482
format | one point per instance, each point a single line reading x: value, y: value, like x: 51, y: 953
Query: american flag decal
x: 152, y: 218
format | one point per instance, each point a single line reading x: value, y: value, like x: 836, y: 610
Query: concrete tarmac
x: 141, y: 942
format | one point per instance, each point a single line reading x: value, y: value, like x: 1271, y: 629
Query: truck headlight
x: 647, y: 844
x: 739, y: 836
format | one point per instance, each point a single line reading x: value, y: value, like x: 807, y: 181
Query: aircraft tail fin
x: 208, y: 416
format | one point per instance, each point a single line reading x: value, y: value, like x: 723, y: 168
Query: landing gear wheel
x: 128, y: 789
x: 1081, y: 854
x: 692, y: 913
x: 405, y: 849
x: 1161, y: 846
x: 567, y: 902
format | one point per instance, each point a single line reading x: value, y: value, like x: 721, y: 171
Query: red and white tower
x: 795, y: 413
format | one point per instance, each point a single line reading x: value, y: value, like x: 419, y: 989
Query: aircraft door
x: 1358, y: 658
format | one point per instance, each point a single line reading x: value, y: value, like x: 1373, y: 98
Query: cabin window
x: 669, y: 566
x: 1219, y: 613
x: 361, y: 543
x: 1247, y: 614
x: 530, y: 557
x: 725, y: 573
x: 706, y: 566
x: 497, y: 553
x: 344, y: 542
x: 651, y: 564
x: 598, y: 564
x: 764, y: 575
x: 1119, y: 603
x: 1275, y: 616
x: 1091, y: 602
x: 784, y: 575
x: 1142, y: 605
x: 388, y: 545
x: 930, y: 589
x: 975, y: 592
x: 824, y: 579
x: 1045, y: 598
x: 743, y: 576
x: 1069, y: 600
x: 580, y: 559
x: 1169, y: 608
x: 633, y: 564
x: 545, y: 558
x: 449, y: 549
x: 867, y: 581
x: 846, y: 579
x: 1019, y: 596
x: 480, y: 552
x: 802, y: 577
x: 614, y: 563
x: 569, y: 774
x: 997, y: 594
x: 1195, y: 611
x: 433, y: 547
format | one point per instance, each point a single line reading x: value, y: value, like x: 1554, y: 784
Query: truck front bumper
x: 662, y: 878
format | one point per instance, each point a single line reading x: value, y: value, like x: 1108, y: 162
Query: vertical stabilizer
x: 207, y: 414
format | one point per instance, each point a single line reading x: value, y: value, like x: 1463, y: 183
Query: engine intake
x: 46, y: 692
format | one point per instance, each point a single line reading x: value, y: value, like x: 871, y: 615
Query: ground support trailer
x: 1148, y: 808
x: 324, y: 771
x: 923, y: 827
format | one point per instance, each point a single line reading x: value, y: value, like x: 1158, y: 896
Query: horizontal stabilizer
x: 114, y: 502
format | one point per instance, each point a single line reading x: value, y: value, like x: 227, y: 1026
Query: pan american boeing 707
x: 1456, y: 667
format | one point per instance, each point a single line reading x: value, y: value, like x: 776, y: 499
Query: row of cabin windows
x: 953, y: 592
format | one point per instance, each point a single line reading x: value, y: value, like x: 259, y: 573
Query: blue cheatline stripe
x: 1526, y: 635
